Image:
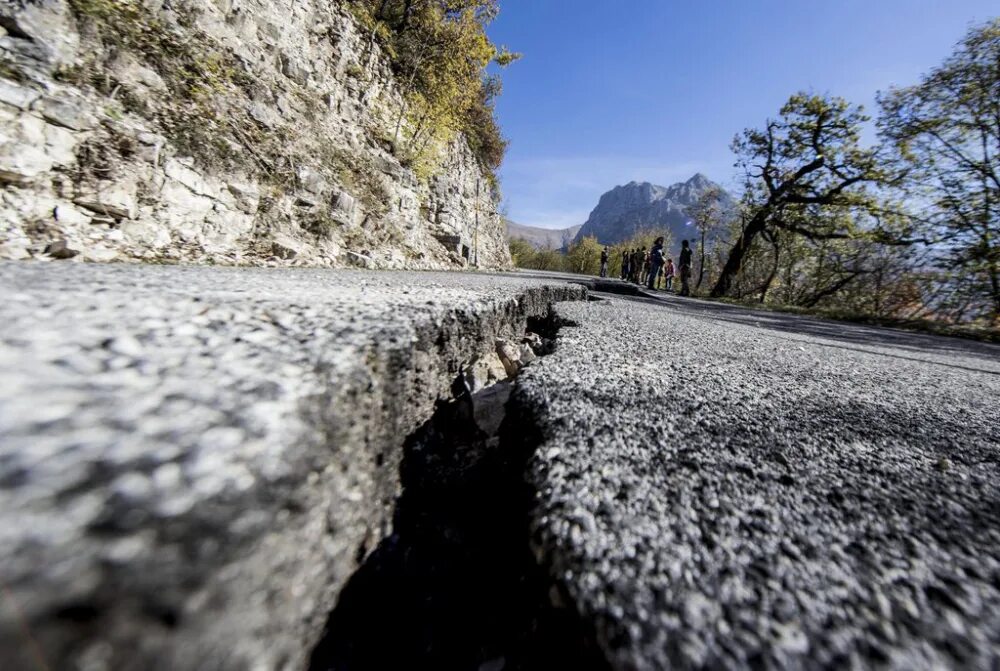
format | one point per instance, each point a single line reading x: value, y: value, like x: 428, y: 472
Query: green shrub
x: 439, y: 50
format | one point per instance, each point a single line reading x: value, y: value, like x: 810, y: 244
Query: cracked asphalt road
x: 193, y: 460
x: 722, y: 488
x: 716, y: 487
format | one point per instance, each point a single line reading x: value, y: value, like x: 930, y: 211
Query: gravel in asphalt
x: 194, y: 460
x: 720, y: 488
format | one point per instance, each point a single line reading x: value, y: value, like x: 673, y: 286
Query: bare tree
x: 804, y: 171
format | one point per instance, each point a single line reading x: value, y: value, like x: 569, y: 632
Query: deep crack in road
x: 196, y: 460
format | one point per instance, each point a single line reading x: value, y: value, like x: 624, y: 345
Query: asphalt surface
x: 722, y: 488
x: 195, y: 460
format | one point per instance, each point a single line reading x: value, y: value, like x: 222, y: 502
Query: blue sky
x: 611, y: 91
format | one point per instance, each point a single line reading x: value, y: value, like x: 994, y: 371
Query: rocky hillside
x: 542, y: 238
x: 639, y: 206
x: 222, y: 132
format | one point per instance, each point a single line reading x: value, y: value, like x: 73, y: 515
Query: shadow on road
x: 855, y: 337
x: 457, y: 585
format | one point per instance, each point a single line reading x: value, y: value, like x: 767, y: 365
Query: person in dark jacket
x: 685, y: 263
x: 655, y: 262
x: 604, y: 262
x: 625, y: 267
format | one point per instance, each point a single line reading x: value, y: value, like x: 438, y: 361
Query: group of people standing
x: 652, y: 268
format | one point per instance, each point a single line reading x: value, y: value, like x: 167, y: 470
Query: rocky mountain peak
x: 700, y: 181
x: 637, y: 206
x: 633, y: 194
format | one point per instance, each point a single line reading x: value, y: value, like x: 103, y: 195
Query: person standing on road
x: 640, y: 265
x: 604, y: 262
x: 685, y: 269
x: 668, y: 274
x: 655, y: 263
x: 625, y: 268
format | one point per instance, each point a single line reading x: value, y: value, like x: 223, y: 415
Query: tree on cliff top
x: 440, y: 50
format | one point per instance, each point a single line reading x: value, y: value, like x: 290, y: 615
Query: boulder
x: 510, y: 356
x: 262, y: 114
x: 150, y: 147
x: 182, y: 172
x: 66, y: 114
x: 29, y: 148
x: 286, y: 247
x: 46, y: 28
x: 311, y: 181
x: 71, y: 216
x: 135, y: 75
x: 112, y: 198
x: 61, y: 249
x: 247, y: 196
x: 486, y: 371
x: 296, y: 70
x: 24, y: 166
x: 16, y: 95
x: 344, y: 206
x: 100, y: 254
x: 144, y: 233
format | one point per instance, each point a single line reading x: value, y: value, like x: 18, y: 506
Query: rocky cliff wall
x: 221, y: 131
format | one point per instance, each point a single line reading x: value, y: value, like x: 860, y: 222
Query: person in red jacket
x: 668, y: 274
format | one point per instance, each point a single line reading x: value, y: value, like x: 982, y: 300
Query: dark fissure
x: 456, y: 586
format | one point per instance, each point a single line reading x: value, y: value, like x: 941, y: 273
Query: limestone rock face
x: 639, y: 206
x: 286, y: 140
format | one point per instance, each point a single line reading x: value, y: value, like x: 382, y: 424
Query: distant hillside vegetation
x: 542, y: 238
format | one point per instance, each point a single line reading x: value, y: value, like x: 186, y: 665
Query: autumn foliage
x: 440, y: 52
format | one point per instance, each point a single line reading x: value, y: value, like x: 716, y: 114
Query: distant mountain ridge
x: 542, y: 238
x: 635, y: 207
